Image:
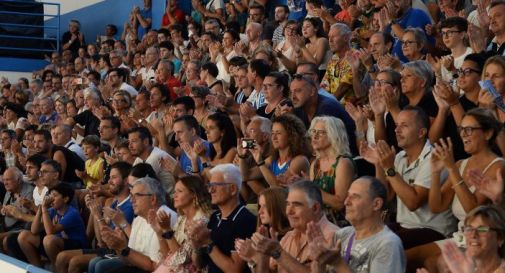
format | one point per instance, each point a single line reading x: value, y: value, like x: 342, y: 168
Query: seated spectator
x: 368, y: 245
x: 192, y: 200
x: 139, y: 249
x: 215, y: 241
x: 285, y: 49
x: 47, y: 111
x: 303, y: 208
x: 61, y: 135
x: 333, y: 169
x: 57, y: 226
x: 11, y: 150
x: 494, y: 70
x: 454, y: 193
x: 202, y: 110
x: 288, y: 157
x: 13, y: 215
x: 315, y: 48
x: 95, y: 164
x: 77, y: 260
x: 408, y: 176
x: 413, y: 44
x: 276, y: 90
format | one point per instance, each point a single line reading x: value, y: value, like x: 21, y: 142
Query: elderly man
x: 47, y: 112
x: 137, y: 246
x: 309, y: 103
x: 165, y: 75
x: 368, y: 245
x: 15, y: 189
x: 62, y: 135
x: 304, y: 207
x: 87, y: 118
x: 258, y: 130
x: 215, y: 242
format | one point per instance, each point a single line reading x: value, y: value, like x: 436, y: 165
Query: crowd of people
x: 263, y: 136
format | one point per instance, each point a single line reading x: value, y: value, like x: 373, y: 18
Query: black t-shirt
x: 89, y: 121
x: 262, y: 112
x: 241, y: 223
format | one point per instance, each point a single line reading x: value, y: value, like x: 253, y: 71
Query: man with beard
x: 119, y: 206
x: 141, y: 146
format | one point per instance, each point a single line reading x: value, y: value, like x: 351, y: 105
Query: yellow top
x: 93, y: 171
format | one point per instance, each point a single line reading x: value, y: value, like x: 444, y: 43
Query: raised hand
x: 369, y: 152
x: 244, y: 249
x: 456, y: 260
x: 445, y: 151
x: 386, y: 154
x: 358, y: 115
x: 168, y: 164
x: 491, y: 188
x: 377, y: 101
x: 265, y: 243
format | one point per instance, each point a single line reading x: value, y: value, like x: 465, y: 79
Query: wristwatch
x: 390, y: 172
x: 168, y: 235
x: 276, y: 254
x: 123, y: 225
x: 125, y: 252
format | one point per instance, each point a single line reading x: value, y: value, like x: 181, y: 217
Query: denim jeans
x: 102, y: 265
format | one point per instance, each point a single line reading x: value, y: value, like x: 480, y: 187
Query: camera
x: 248, y: 143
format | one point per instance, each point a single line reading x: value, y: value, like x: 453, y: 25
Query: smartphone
x: 110, y: 256
x: 498, y: 98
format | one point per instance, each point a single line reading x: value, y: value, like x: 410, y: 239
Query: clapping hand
x: 457, y: 260
x: 491, y: 188
x: 386, y: 154
x: 265, y: 241
x: 199, y: 234
x: 244, y: 249
x: 168, y: 164
x: 369, y: 152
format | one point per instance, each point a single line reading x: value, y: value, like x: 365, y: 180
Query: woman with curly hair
x: 333, y: 169
x: 288, y: 156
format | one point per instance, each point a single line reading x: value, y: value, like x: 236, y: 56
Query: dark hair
x: 176, y: 27
x: 114, y: 122
x: 211, y: 68
x: 496, y: 3
x: 494, y: 217
x: 257, y: 6
x: 313, y: 68
x: 421, y: 118
x: 114, y: 28
x: 238, y: 61
x: 95, y: 74
x: 45, y: 133
x: 55, y: 165
x: 167, y: 44
x: 164, y: 92
x: 318, y: 25
x: 260, y: 67
x: 299, y: 143
x: 143, y: 170
x: 189, y: 102
x: 31, y: 127
x: 234, y: 34
x: 145, y: 93
x: 478, y: 58
x: 143, y: 133
x: 460, y: 23
x: 65, y: 190
x: 10, y: 133
x: 291, y: 22
x: 190, y: 121
x: 36, y: 159
x: 229, y: 136
x: 165, y: 32
x: 195, y: 185
x: 487, y: 121
x: 388, y: 38
x: 377, y: 190
x: 124, y: 168
x: 106, y: 59
x: 92, y: 140
x: 284, y: 7
x: 282, y: 80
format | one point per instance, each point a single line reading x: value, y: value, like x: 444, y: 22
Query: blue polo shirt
x: 73, y: 225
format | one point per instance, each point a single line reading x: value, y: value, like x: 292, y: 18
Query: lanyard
x: 347, y: 257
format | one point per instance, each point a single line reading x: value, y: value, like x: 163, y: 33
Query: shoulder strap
x: 462, y: 166
x: 491, y: 163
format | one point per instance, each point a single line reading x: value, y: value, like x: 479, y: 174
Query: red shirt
x: 178, y: 15
x: 171, y: 83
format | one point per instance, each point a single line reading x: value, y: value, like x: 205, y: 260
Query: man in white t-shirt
x: 141, y: 145
x: 408, y: 177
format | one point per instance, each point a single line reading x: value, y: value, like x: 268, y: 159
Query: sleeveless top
x: 457, y: 207
x: 278, y: 169
x: 325, y: 180
x: 93, y: 171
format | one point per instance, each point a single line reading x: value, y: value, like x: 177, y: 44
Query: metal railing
x: 48, y: 39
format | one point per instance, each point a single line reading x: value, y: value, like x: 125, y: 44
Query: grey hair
x: 18, y: 174
x: 265, y: 124
x: 91, y: 91
x: 343, y: 28
x: 154, y: 187
x: 38, y: 82
x: 49, y: 100
x: 419, y: 35
x: 421, y: 69
x: 230, y: 172
x: 336, y: 134
x: 311, y: 190
x: 119, y: 53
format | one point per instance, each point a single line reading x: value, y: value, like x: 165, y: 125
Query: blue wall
x: 94, y: 18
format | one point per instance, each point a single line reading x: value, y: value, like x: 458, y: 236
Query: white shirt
x: 130, y: 89
x: 39, y: 197
x: 167, y: 179
x: 257, y: 99
x: 458, y: 62
x: 418, y: 173
x: 74, y: 147
x: 143, y: 239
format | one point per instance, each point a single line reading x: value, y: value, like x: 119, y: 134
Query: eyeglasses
x: 314, y: 132
x: 137, y: 195
x: 467, y: 131
x: 104, y: 127
x: 467, y: 71
x: 44, y: 172
x: 304, y: 78
x: 211, y: 185
x: 381, y: 82
x: 408, y: 43
x: 449, y: 33
x: 480, y: 230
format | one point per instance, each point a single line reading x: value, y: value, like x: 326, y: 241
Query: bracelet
x: 242, y: 156
x: 456, y: 103
x: 101, y: 220
x: 459, y: 183
x: 195, y: 172
x: 261, y: 163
